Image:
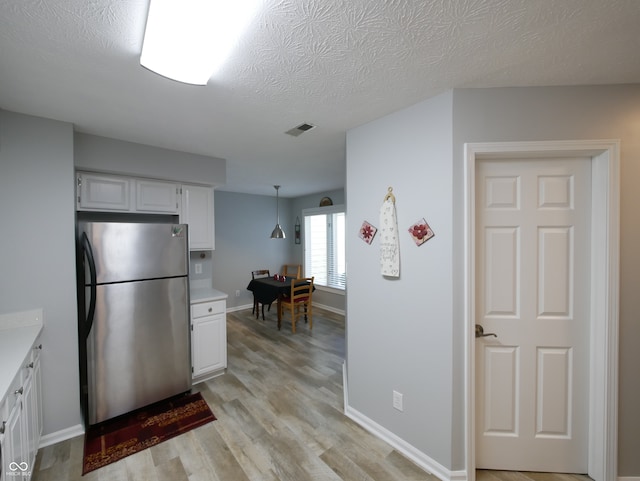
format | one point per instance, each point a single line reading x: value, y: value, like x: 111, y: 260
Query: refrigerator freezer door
x: 139, y: 347
x: 134, y: 251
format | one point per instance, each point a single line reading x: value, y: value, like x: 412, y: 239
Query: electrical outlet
x: 397, y: 401
x: 237, y: 293
x: 198, y: 268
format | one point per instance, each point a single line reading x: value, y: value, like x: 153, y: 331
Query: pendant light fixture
x: 277, y: 233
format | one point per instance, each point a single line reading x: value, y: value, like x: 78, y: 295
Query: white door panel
x: 502, y: 271
x: 553, y: 413
x: 501, y: 380
x: 532, y: 281
x: 555, y: 296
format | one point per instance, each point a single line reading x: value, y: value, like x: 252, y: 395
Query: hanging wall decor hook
x: 390, y: 195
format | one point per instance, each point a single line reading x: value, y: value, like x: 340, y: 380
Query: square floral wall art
x: 367, y: 232
x: 421, y: 232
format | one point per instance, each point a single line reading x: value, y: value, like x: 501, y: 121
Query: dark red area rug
x: 125, y: 435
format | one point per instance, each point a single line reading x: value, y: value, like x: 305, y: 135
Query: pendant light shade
x: 277, y: 233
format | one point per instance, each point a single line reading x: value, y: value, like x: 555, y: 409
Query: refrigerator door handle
x: 86, y: 245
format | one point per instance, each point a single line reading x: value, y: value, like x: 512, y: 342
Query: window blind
x: 324, y: 258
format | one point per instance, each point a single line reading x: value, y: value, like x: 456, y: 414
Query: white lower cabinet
x: 14, y: 455
x: 21, y: 426
x: 33, y: 408
x: 208, y: 339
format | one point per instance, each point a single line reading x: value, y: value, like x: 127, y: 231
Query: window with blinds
x: 324, y: 246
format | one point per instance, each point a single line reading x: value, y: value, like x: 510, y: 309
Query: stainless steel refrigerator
x: 133, y: 311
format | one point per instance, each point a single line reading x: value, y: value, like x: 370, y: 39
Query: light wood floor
x: 279, y: 410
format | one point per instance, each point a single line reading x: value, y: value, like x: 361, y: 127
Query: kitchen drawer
x: 203, y: 309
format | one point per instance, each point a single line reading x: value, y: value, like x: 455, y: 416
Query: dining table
x: 266, y: 290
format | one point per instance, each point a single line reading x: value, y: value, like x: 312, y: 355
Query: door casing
x: 605, y: 226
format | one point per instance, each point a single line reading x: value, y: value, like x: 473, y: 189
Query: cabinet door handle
x: 2, y: 427
x: 30, y: 365
x: 18, y: 391
x: 210, y: 309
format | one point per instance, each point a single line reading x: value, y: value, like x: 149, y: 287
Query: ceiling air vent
x: 300, y: 129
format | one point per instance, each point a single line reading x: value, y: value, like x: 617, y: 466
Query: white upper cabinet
x: 157, y: 197
x: 114, y: 193
x: 197, y: 211
x: 102, y: 192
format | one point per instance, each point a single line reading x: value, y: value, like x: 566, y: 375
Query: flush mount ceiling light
x: 277, y: 233
x: 188, y: 40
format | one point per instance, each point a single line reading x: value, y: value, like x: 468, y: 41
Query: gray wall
x: 420, y: 333
x: 399, y: 331
x: 102, y: 154
x: 37, y: 250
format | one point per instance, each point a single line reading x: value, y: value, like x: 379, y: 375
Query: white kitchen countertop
x: 18, y: 332
x: 205, y: 294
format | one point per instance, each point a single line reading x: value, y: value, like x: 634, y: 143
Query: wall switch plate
x: 397, y: 400
x: 237, y: 293
x: 198, y: 268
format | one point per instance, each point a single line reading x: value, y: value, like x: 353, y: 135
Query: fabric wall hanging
x: 389, y: 241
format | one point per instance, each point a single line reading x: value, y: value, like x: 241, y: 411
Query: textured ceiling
x: 333, y: 63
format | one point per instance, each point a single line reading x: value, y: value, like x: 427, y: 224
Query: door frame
x: 603, y: 343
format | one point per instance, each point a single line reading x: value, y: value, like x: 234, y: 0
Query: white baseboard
x: 208, y: 377
x: 315, y: 304
x: 421, y: 459
x: 329, y: 308
x: 62, y: 435
x: 238, y: 308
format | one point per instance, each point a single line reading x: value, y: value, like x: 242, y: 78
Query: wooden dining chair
x: 300, y: 296
x: 256, y: 302
x: 292, y: 270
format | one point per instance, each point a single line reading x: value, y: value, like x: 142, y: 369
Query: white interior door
x: 532, y: 291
